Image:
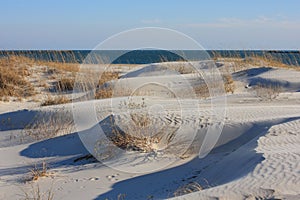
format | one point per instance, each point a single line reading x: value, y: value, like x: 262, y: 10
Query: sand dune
x: 256, y: 156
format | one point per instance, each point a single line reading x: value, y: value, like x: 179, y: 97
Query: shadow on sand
x: 221, y: 166
x: 255, y: 79
x: 16, y: 120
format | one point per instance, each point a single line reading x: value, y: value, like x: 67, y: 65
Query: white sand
x: 256, y: 157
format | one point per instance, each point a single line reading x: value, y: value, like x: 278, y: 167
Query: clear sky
x: 216, y: 24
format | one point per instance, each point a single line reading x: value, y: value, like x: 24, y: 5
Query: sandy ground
x: 257, y: 155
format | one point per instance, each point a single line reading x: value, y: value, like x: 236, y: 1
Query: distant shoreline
x: 290, y: 57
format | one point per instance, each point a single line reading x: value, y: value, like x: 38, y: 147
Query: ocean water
x: 149, y: 56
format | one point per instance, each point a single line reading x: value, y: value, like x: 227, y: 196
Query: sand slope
x: 256, y: 157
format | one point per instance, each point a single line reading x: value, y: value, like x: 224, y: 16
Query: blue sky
x: 215, y: 24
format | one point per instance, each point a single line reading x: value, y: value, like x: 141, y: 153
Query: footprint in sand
x: 93, y: 179
x: 113, y: 177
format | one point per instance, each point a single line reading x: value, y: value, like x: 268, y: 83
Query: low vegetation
x: 106, y: 91
x: 139, y: 135
x: 35, y: 193
x: 65, y: 84
x: 267, y: 91
x: 228, y: 83
x: 181, y: 67
x: 238, y: 63
x: 49, y: 125
x: 16, y: 70
x: 13, y: 77
x: 55, y: 100
x: 188, y: 188
x: 18, y: 77
x: 202, y: 89
x: 59, y: 66
x: 108, y: 76
x: 38, y: 172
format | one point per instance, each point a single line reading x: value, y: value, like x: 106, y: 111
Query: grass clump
x: 49, y: 125
x: 38, y: 172
x: 37, y: 194
x: 188, y: 188
x: 106, y: 91
x: 13, y: 73
x: 65, y: 84
x: 139, y: 135
x: 55, y: 100
x: 59, y: 66
x: 202, y: 88
x: 267, y: 91
x: 228, y: 83
x: 136, y: 131
x: 108, y: 76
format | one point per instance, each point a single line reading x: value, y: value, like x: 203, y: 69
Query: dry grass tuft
x: 201, y: 91
x: 267, y: 92
x: 121, y: 196
x: 37, y: 194
x: 59, y: 66
x: 108, y: 76
x: 49, y: 125
x: 239, y: 63
x: 65, y: 84
x: 139, y: 134
x: 21, y: 76
x: 188, y: 188
x: 228, y: 83
x: 13, y: 73
x: 17, y: 71
x: 55, y: 100
x: 38, y: 172
x: 105, y: 91
x: 181, y: 67
x: 130, y: 141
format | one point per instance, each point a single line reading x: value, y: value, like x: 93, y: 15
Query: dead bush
x: 181, y: 67
x: 139, y: 134
x: 267, y: 91
x: 55, y: 100
x: 38, y: 172
x: 35, y: 193
x: 188, y: 188
x: 57, y: 67
x: 202, y: 87
x: 13, y: 73
x: 49, y: 125
x: 108, y: 76
x: 65, y: 84
x: 135, y: 131
x: 201, y: 91
x: 228, y: 83
x: 106, y: 91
